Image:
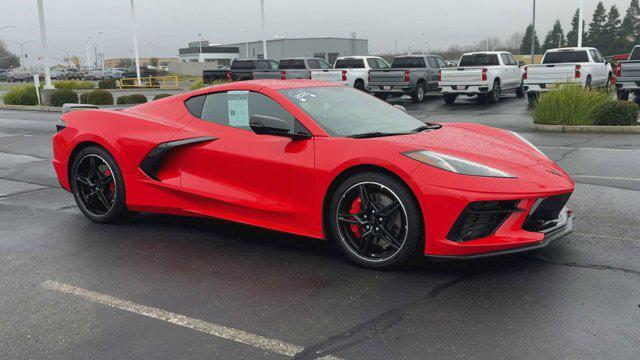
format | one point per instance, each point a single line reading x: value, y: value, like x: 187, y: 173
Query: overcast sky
x: 164, y: 26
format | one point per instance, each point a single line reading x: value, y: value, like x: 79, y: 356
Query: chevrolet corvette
x: 318, y: 160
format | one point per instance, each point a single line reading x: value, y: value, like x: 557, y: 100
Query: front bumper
x: 562, y: 229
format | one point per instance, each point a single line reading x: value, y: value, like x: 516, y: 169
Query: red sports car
x: 319, y: 160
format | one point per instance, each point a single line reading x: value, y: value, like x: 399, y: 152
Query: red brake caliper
x: 355, y: 208
x: 111, y: 184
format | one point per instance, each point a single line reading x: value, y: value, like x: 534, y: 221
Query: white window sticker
x: 238, y: 104
x: 303, y: 95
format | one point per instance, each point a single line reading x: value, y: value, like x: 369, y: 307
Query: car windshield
x: 408, y: 62
x: 343, y: 111
x: 479, y: 60
x: 349, y: 64
x: 559, y: 57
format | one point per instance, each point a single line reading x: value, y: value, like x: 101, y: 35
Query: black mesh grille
x: 480, y: 219
x: 546, y: 214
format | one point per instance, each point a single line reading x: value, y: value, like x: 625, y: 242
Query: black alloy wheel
x: 97, y: 186
x: 418, y: 94
x: 375, y: 221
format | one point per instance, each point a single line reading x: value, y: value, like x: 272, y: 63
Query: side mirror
x: 400, y: 107
x: 521, y: 63
x: 269, y: 125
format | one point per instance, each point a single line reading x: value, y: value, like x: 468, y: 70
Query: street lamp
x: 101, y: 49
x: 88, y: 49
x: 533, y: 34
x: 264, y: 32
x: 135, y: 42
x: 24, y: 65
x: 200, y: 56
x: 246, y: 43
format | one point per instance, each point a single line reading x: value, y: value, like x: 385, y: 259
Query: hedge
x: 618, y: 113
x: 21, y: 95
x: 132, y: 99
x: 73, y: 85
x: 97, y: 97
x: 570, y: 105
x: 60, y: 97
x: 161, y: 96
x: 107, y: 84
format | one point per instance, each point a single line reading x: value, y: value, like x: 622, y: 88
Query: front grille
x: 481, y: 218
x: 545, y: 213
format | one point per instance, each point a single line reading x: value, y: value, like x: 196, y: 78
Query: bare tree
x: 513, y: 42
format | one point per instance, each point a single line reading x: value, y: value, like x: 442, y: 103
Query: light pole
x: 24, y: 65
x: 580, y: 20
x: 43, y: 40
x: 426, y: 49
x: 424, y: 42
x: 246, y: 43
x: 200, y: 57
x: 264, y: 32
x: 135, y: 42
x: 101, y: 49
x: 533, y: 34
x: 88, y: 48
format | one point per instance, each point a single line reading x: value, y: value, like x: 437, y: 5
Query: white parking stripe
x: 605, y: 177
x: 584, y: 148
x: 265, y: 343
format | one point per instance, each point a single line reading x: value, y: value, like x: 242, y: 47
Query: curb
x: 588, y: 129
x: 31, y: 108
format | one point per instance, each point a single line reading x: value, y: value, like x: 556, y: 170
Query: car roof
x: 571, y: 49
x: 358, y: 57
x: 487, y: 52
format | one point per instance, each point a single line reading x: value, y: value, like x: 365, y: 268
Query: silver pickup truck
x: 409, y: 75
x: 628, y: 75
x: 293, y: 68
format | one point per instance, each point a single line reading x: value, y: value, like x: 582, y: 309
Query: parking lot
x: 176, y: 288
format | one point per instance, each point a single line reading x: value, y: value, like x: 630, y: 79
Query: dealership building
x: 328, y: 48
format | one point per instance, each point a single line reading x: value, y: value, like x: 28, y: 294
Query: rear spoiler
x: 74, y: 107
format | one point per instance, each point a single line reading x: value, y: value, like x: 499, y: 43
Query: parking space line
x: 585, y: 148
x: 262, y: 342
x: 605, y: 177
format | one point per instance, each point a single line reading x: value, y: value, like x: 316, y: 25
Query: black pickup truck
x: 240, y: 70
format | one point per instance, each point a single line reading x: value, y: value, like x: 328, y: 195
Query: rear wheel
x: 381, y: 96
x: 623, y: 95
x: 520, y: 91
x: 588, y: 82
x: 359, y: 84
x: 418, y: 94
x: 374, y: 220
x: 532, y: 98
x: 449, y: 98
x: 494, y: 94
x: 98, y: 187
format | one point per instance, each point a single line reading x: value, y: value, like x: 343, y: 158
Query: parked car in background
x: 351, y: 70
x: 628, y: 75
x: 73, y: 74
x: 487, y: 74
x: 57, y: 74
x: 583, y: 66
x: 409, y: 74
x: 3, y: 74
x: 16, y: 75
x: 93, y: 74
x: 292, y: 68
x: 240, y: 70
x: 144, y: 72
x: 112, y: 74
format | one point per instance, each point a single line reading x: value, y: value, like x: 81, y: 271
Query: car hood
x: 489, y: 146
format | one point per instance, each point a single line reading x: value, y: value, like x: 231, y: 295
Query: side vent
x: 152, y: 162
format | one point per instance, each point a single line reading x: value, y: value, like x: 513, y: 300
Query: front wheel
x: 375, y: 221
x: 418, y: 94
x: 98, y: 187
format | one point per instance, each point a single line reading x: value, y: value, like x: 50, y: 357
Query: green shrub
x: 73, y: 85
x: 569, y: 105
x: 60, y: 97
x: 84, y: 98
x: 21, y: 95
x: 198, y: 84
x: 161, y: 96
x: 107, y: 84
x: 132, y: 99
x: 99, y: 97
x: 617, y: 113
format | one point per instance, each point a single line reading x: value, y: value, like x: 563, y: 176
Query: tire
x: 359, y: 84
x: 418, y: 95
x: 401, y: 223
x: 587, y: 84
x: 494, y: 94
x: 520, y: 91
x: 449, y: 98
x: 532, y: 98
x: 623, y: 95
x: 381, y: 96
x: 109, y: 206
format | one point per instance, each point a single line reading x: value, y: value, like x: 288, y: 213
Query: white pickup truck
x: 583, y: 66
x: 487, y: 74
x: 351, y: 70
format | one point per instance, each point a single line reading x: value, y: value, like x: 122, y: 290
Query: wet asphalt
x: 576, y: 299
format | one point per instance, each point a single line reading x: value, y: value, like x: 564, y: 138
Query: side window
x: 432, y: 63
x: 274, y: 64
x: 441, y: 63
x: 235, y: 108
x: 372, y: 63
x: 598, y: 56
x: 262, y: 64
x: 194, y: 105
x: 512, y: 60
x: 324, y: 64
x: 382, y: 64
x: 313, y: 64
x: 505, y: 59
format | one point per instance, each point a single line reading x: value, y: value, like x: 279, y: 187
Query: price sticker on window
x: 238, y: 104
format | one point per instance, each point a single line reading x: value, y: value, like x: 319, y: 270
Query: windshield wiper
x: 373, y: 135
x: 426, y: 127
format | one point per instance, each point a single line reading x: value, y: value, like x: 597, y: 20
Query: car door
x: 432, y: 71
x: 243, y: 176
x: 509, y: 73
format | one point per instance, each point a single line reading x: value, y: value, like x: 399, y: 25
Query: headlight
x: 527, y: 142
x: 455, y: 164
